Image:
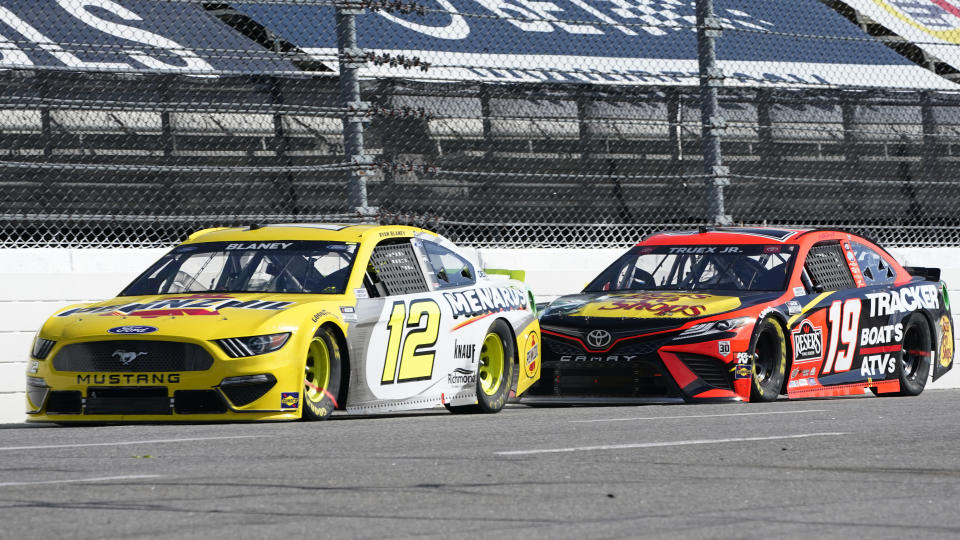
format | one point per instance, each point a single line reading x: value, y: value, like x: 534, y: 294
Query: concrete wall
x: 36, y: 282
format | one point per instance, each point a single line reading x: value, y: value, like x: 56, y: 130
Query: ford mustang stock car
x: 747, y: 314
x: 288, y: 321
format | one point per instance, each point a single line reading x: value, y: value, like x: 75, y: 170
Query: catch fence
x: 515, y: 124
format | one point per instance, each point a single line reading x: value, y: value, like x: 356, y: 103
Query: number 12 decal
x: 410, y: 352
x: 844, y: 320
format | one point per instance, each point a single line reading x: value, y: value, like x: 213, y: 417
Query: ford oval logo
x: 598, y: 338
x: 133, y: 329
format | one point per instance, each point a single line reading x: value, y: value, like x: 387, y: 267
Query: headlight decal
x: 253, y: 345
x: 42, y: 347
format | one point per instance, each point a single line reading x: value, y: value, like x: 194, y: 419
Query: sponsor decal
x: 793, y: 307
x: 903, y: 300
x: 743, y: 358
x: 607, y: 358
x: 533, y: 352
x: 946, y: 341
x: 195, y: 304
x: 705, y: 249
x: 485, y: 300
x: 659, y: 304
x: 127, y: 357
x: 742, y: 372
x: 461, y: 376
x: 891, y: 333
x: 807, y: 341
x: 771, y: 249
x: 723, y: 348
x: 464, y: 351
x: 598, y: 339
x: 34, y: 366
x: 874, y: 365
x: 319, y: 315
x: 348, y: 312
x: 361, y: 294
x: 133, y: 329
x: 799, y: 291
x: 794, y: 373
x: 128, y: 378
x: 289, y: 400
x: 260, y: 245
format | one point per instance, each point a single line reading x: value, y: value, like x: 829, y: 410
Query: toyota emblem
x: 598, y: 338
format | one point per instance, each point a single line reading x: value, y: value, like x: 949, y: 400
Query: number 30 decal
x: 844, y: 319
x: 409, y: 346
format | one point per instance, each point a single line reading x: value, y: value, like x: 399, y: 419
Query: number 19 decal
x: 411, y: 336
x: 844, y: 319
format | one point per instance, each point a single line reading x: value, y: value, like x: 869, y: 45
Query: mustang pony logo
x: 126, y: 357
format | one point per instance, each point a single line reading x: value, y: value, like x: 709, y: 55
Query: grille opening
x: 65, y: 402
x: 637, y: 381
x: 712, y: 371
x: 198, y: 402
x: 245, y: 394
x: 132, y: 356
x: 128, y: 400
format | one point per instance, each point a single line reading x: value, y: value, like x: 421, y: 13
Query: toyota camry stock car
x: 290, y: 321
x: 747, y: 314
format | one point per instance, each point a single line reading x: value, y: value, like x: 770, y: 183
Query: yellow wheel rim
x: 491, y: 364
x: 316, y: 374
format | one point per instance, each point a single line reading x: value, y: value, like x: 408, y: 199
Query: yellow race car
x: 281, y: 322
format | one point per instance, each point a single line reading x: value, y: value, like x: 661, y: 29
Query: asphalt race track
x: 854, y: 467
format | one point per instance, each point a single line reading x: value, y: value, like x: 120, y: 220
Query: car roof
x: 335, y: 232
x: 726, y: 235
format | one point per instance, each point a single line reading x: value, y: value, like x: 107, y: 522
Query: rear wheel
x: 769, y: 359
x: 321, y: 375
x: 495, y: 371
x: 915, y: 354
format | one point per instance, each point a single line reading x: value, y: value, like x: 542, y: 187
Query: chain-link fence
x: 495, y: 122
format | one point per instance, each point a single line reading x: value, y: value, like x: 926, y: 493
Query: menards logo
x: 199, y: 304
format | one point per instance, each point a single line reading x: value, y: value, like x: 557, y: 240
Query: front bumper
x: 264, y: 387
x: 653, y: 370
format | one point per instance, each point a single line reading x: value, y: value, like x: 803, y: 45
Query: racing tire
x: 322, y: 375
x: 914, y: 356
x: 494, y: 371
x: 768, y: 361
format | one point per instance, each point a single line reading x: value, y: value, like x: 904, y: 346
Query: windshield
x: 280, y: 266
x: 687, y: 268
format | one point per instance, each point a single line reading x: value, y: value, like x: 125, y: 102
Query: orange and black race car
x: 747, y: 314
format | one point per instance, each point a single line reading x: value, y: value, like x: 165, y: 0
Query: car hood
x: 203, y: 316
x: 646, y: 308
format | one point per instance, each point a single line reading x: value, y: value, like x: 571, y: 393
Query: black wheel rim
x: 765, y: 356
x: 914, y: 351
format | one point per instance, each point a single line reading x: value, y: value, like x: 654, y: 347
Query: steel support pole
x: 351, y: 59
x: 712, y: 121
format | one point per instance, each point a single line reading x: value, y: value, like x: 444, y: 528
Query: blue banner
x: 606, y: 41
x: 126, y: 35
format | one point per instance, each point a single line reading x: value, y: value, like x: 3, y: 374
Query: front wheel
x: 769, y: 358
x: 495, y: 372
x: 322, y: 375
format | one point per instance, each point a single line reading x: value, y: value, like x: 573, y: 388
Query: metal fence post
x: 351, y: 58
x: 712, y: 122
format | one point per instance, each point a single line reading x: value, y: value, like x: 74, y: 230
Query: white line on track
x: 77, y: 480
x: 662, y: 444
x: 128, y: 443
x: 695, y: 416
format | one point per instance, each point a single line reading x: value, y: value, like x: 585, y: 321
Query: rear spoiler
x: 929, y: 274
